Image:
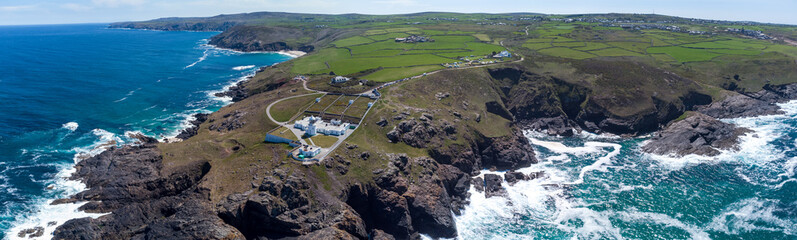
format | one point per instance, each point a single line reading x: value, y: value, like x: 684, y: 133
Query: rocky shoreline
x: 406, y: 197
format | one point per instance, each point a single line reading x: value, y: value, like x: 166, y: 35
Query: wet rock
x: 697, y: 134
x: 492, y: 185
x: 739, y: 106
x: 377, y: 234
x: 199, y: 118
x: 478, y: 183
x: 535, y: 175
x: 514, y: 177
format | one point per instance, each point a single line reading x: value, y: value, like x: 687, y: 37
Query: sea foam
x: 71, y: 126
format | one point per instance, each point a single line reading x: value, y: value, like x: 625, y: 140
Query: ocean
x: 603, y: 187
x: 66, y: 91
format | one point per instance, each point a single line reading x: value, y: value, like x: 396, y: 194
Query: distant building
x: 340, y: 79
x: 503, y: 54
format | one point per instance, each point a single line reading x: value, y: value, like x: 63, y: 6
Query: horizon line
x: 396, y: 14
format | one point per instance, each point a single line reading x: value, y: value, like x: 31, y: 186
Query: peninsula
x: 381, y: 129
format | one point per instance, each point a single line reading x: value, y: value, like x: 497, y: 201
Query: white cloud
x: 17, y: 8
x: 118, y: 3
x: 76, y: 7
x: 406, y: 3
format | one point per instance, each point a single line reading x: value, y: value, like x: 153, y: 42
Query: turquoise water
x: 67, y: 89
x: 599, y: 187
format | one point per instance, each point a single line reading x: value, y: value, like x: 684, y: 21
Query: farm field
x: 585, y: 40
x: 376, y: 49
x: 359, y: 107
x: 338, y: 106
x: 321, y: 105
x: 283, y: 111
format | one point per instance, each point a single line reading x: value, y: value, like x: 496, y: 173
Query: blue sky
x: 21, y: 12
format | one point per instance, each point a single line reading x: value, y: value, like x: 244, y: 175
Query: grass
x: 285, y: 133
x: 631, y: 46
x: 683, y: 54
x: 482, y: 37
x: 356, y: 40
x: 325, y: 101
x: 359, y: 107
x: 338, y: 106
x: 283, y: 111
x: 537, y: 46
x: 592, y: 46
x: 353, y: 65
x: 615, y: 52
x: 566, y: 53
x: 569, y: 44
x: 324, y: 141
x: 391, y: 74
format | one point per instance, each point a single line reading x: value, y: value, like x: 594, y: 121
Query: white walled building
x: 314, y: 125
x: 309, y: 151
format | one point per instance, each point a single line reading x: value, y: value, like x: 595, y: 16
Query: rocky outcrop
x: 283, y: 209
x: 145, y: 201
x: 697, y: 134
x: 758, y: 103
x: 199, y: 118
x: 232, y: 121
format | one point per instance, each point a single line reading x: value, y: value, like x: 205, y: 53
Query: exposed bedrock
x: 697, y: 134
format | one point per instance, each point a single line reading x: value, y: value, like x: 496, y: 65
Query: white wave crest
x: 202, y: 58
x: 71, y: 126
x: 241, y: 68
x: 752, y: 214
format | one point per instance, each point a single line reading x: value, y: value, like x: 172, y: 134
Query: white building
x: 313, y: 125
x: 309, y: 151
x: 339, y: 79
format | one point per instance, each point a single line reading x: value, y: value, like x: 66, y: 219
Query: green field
x: 566, y: 53
x: 390, y: 74
x: 324, y: 141
x: 323, y: 104
x: 359, y: 107
x: 338, y: 106
x: 356, y: 40
x: 283, y: 111
x: 615, y: 52
x: 683, y: 54
x: 376, y: 56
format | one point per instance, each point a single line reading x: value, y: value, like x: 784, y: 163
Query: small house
x: 340, y: 79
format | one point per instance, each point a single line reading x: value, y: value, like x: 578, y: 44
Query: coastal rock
x: 513, y: 177
x: 697, y: 134
x: 492, y: 185
x: 199, y: 118
x: 509, y: 152
x: 236, y: 93
x: 739, y: 106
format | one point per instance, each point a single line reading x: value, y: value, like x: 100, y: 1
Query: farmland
x: 377, y: 52
x: 584, y: 41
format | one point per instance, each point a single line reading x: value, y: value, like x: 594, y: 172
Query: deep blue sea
x: 67, y: 90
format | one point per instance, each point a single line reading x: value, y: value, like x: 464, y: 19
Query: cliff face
x: 250, y: 38
x: 631, y: 99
